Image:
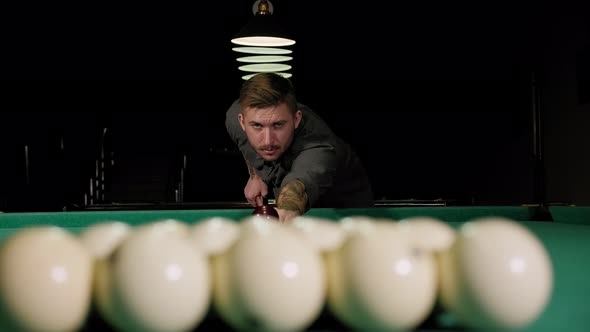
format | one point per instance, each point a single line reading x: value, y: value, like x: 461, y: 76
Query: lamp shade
x: 263, y: 31
x: 264, y: 37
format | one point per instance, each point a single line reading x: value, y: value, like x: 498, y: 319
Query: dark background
x: 437, y: 98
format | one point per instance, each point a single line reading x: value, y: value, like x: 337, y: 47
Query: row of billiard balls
x: 371, y: 273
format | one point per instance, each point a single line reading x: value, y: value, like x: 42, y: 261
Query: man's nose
x: 268, y: 136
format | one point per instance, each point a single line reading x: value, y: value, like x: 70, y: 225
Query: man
x: 291, y: 150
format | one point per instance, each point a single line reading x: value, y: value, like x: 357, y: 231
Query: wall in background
x: 566, y: 107
x: 446, y: 95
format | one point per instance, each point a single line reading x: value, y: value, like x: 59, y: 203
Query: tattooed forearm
x: 293, y: 197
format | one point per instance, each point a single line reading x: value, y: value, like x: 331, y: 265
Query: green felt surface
x: 571, y: 214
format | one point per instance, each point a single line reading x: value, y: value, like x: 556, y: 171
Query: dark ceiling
x: 433, y: 39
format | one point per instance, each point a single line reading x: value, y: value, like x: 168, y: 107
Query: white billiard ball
x: 323, y: 234
x: 428, y: 233
x: 103, y: 237
x: 168, y: 225
x: 156, y: 280
x: 214, y: 235
x: 269, y: 279
x: 45, y: 280
x: 378, y: 279
x: 356, y: 224
x: 497, y: 275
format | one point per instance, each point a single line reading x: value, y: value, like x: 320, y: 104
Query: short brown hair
x: 267, y: 89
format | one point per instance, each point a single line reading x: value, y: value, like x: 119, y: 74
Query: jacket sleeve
x: 316, y: 167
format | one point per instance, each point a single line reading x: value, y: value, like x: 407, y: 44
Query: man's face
x: 270, y: 130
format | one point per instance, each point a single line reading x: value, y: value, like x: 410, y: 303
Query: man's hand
x: 255, y: 189
x: 292, y: 200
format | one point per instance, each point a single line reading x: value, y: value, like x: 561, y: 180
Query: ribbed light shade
x: 263, y: 41
x: 262, y: 50
x: 247, y: 77
x: 263, y: 36
x: 264, y: 58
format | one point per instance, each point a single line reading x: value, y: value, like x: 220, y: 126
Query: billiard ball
x: 378, y: 280
x: 269, y: 279
x: 45, y: 280
x: 497, y: 275
x: 323, y: 234
x: 214, y: 235
x: 428, y: 233
x: 266, y: 211
x: 154, y: 267
x: 102, y: 238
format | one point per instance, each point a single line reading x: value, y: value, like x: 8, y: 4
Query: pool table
x: 568, y: 245
x: 570, y: 214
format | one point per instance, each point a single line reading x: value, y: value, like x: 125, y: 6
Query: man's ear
x: 241, y: 119
x: 298, y: 116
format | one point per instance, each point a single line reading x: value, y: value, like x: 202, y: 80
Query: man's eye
x: 257, y: 126
x: 278, y: 125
